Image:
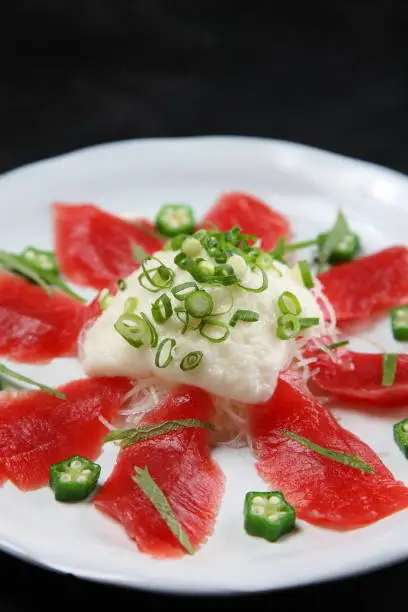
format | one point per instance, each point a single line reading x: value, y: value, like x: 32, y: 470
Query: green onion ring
x: 191, y: 361
x: 183, y: 316
x: 154, y: 337
x: 288, y: 327
x: 214, y: 323
x: 308, y: 322
x: 199, y: 304
x: 167, y: 278
x: 247, y: 316
x: 264, y: 285
x: 141, y: 278
x: 132, y: 328
x: 130, y: 304
x: 162, y: 309
x: 289, y: 304
x: 306, y: 274
x: 178, y: 290
x: 160, y: 349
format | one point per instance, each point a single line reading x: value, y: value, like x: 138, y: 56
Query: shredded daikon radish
x: 106, y: 423
x: 327, y: 308
x: 143, y: 398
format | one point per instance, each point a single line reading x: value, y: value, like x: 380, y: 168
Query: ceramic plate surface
x: 309, y: 186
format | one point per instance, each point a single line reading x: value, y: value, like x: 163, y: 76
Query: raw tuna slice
x: 252, y: 215
x: 181, y: 465
x: 93, y: 247
x: 322, y: 490
x: 366, y: 286
x: 37, y: 429
x: 360, y: 380
x: 35, y: 327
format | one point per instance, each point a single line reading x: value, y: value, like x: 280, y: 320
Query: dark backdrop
x: 331, y: 73
x: 74, y: 73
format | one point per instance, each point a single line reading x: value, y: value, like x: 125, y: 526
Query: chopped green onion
x: 138, y: 254
x: 335, y: 345
x: 105, y: 299
x: 182, y: 261
x: 152, y: 330
x: 306, y: 322
x: 141, y: 278
x: 289, y: 304
x: 131, y: 304
x: 227, y: 309
x: 200, y: 235
x: 247, y: 316
x: 21, y: 378
x: 166, y: 346
x: 191, y: 361
x: 176, y: 242
x: 199, y: 304
x: 224, y: 274
x: 288, y: 326
x: 156, y: 496
x: 162, y: 277
x: 201, y: 270
x: 206, y: 268
x: 306, y: 274
x: 239, y: 265
x: 389, y: 369
x: 180, y: 292
x: 121, y: 285
x: 191, y: 247
x: 213, y: 324
x: 220, y: 256
x: 132, y: 328
x: 344, y: 458
x: 263, y: 286
x: 162, y: 309
x: 264, y: 261
x: 183, y: 316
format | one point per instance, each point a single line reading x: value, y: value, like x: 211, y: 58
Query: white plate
x: 309, y: 186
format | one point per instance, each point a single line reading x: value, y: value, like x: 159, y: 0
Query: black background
x: 73, y: 73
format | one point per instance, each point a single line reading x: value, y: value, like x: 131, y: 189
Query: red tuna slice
x: 93, y: 247
x: 366, y: 286
x: 323, y: 491
x: 360, y: 380
x: 252, y: 215
x: 35, y: 327
x: 37, y: 429
x: 181, y: 465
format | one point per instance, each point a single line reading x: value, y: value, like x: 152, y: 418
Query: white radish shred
x: 326, y: 307
x: 106, y: 423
